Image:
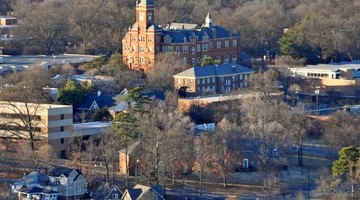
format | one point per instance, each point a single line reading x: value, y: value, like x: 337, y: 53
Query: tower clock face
x: 141, y: 17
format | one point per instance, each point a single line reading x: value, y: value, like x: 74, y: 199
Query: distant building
x: 145, y: 40
x: 52, y: 124
x: 105, y: 192
x: 348, y: 71
x: 212, y: 79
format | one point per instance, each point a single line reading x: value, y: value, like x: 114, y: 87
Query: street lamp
x: 317, y: 92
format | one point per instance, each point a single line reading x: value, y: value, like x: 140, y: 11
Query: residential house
x: 37, y: 193
x: 69, y: 182
x: 30, y: 180
x: 212, y: 79
x: 145, y: 40
x: 142, y: 192
x: 96, y: 101
x: 104, y: 192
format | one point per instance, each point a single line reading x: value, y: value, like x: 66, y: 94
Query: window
x: 199, y: 60
x: 222, y: 79
x: 185, y: 60
x: 234, y: 86
x: 213, y: 79
x: 61, y: 129
x: 226, y: 43
x: 233, y: 78
x: 115, y: 196
x: 222, y: 88
x: 218, y: 44
x: 213, y: 87
x: 211, y: 45
x: 157, y: 39
x: 234, y: 59
x: 193, y: 61
x: 62, y: 116
x: 206, y: 38
x: 203, y: 81
x: 205, y: 47
x: 226, y: 59
x: 241, y: 85
x: 177, y: 49
x: 149, y: 61
x: 241, y: 77
x: 149, y: 49
x: 208, y: 80
x: 79, y: 188
x: 142, y: 49
x: 228, y: 82
x: 185, y: 49
x: 199, y: 48
x: 157, y: 48
x: 193, y: 50
x: 141, y: 60
x: 150, y: 39
x: 218, y: 58
x: 197, y: 81
x: 133, y: 48
x: 133, y: 59
x: 62, y: 140
x: 234, y: 43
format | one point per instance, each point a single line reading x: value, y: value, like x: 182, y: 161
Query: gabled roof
x: 32, y: 178
x: 102, y: 101
x: 139, y: 191
x: 104, y: 191
x: 58, y: 171
x: 214, y: 70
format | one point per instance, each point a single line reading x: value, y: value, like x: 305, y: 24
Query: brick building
x: 145, y: 39
x: 212, y: 79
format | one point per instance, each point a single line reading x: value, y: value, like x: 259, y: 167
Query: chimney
x: 98, y: 93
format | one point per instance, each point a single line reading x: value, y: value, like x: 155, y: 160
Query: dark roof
x: 159, y: 189
x: 104, y: 191
x: 155, y: 94
x: 145, y: 2
x: 134, y: 193
x: 214, y: 70
x: 32, y: 178
x: 177, y: 36
x: 58, y: 171
x: 104, y: 100
x: 37, y: 190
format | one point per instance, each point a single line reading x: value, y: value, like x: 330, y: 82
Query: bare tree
x: 167, y: 65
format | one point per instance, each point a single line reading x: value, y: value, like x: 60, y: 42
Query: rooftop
x: 330, y: 67
x: 214, y: 70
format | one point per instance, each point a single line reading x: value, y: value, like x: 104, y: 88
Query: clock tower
x: 144, y: 13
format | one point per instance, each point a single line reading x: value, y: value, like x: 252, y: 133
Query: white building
x: 345, y: 71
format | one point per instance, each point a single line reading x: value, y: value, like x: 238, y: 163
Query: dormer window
x: 167, y: 39
x: 206, y: 37
x: 184, y: 40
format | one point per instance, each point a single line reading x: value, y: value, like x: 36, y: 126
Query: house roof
x: 131, y: 148
x: 102, y: 100
x: 139, y: 190
x: 104, y: 191
x: 37, y: 190
x: 214, y: 70
x: 58, y: 171
x: 32, y: 178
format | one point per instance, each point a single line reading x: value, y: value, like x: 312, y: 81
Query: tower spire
x: 208, y: 21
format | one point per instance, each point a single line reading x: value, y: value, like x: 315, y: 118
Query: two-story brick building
x: 212, y: 79
x: 145, y: 39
